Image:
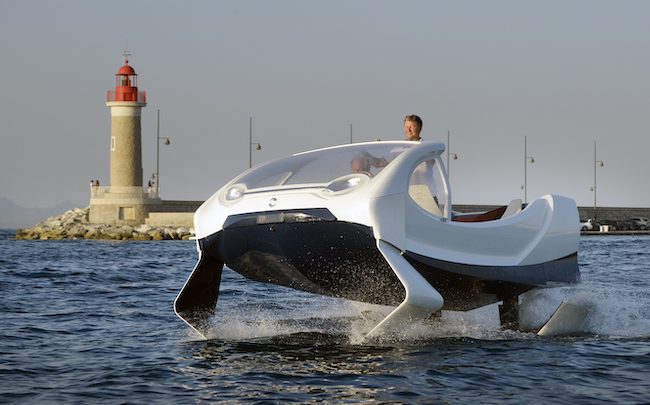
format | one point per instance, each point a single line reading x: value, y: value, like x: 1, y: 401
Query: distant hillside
x: 15, y: 216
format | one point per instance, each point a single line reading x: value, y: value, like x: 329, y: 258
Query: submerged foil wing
x: 196, y: 302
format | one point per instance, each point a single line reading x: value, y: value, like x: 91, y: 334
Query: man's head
x: 360, y: 162
x: 412, y: 127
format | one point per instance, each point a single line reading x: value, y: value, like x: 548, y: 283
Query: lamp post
x: 167, y: 142
x: 350, y: 133
x: 258, y: 146
x: 455, y: 156
x: 527, y: 159
x: 596, y: 164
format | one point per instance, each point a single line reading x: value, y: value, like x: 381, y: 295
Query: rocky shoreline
x: 73, y: 224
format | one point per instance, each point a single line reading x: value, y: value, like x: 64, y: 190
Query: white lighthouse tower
x: 124, y: 200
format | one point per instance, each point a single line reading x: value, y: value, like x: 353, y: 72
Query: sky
x: 560, y: 74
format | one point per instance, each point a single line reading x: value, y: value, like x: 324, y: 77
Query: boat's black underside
x: 310, y: 250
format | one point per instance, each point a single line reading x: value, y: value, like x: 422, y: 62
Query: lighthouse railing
x: 100, y: 192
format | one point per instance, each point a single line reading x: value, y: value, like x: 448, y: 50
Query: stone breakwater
x: 73, y: 224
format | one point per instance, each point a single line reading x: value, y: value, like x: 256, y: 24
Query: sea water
x: 92, y: 322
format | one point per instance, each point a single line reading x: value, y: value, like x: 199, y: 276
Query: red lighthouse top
x: 126, y: 85
x: 126, y: 70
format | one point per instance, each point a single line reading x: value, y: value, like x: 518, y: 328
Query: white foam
x: 613, y: 313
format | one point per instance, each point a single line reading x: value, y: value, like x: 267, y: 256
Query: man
x: 361, y: 162
x: 412, y: 128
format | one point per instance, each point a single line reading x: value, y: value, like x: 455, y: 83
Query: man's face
x: 360, y: 165
x: 411, y: 131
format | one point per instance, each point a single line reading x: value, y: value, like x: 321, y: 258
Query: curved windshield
x: 324, y: 165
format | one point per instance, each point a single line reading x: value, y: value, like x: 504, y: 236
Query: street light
x: 455, y: 156
x: 596, y: 164
x: 527, y: 159
x: 258, y: 146
x: 167, y: 142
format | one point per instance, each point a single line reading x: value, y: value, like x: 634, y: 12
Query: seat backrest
x: 421, y: 194
x: 513, y: 208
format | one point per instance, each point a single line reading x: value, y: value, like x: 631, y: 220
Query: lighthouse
x: 126, y: 104
x: 124, y: 200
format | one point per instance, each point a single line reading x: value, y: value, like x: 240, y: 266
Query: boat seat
x: 421, y: 194
x: 481, y: 216
x: 512, y: 208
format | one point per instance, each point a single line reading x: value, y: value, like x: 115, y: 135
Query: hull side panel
x: 466, y: 287
x: 337, y: 259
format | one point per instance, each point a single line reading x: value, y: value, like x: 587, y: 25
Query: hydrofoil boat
x: 373, y: 222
